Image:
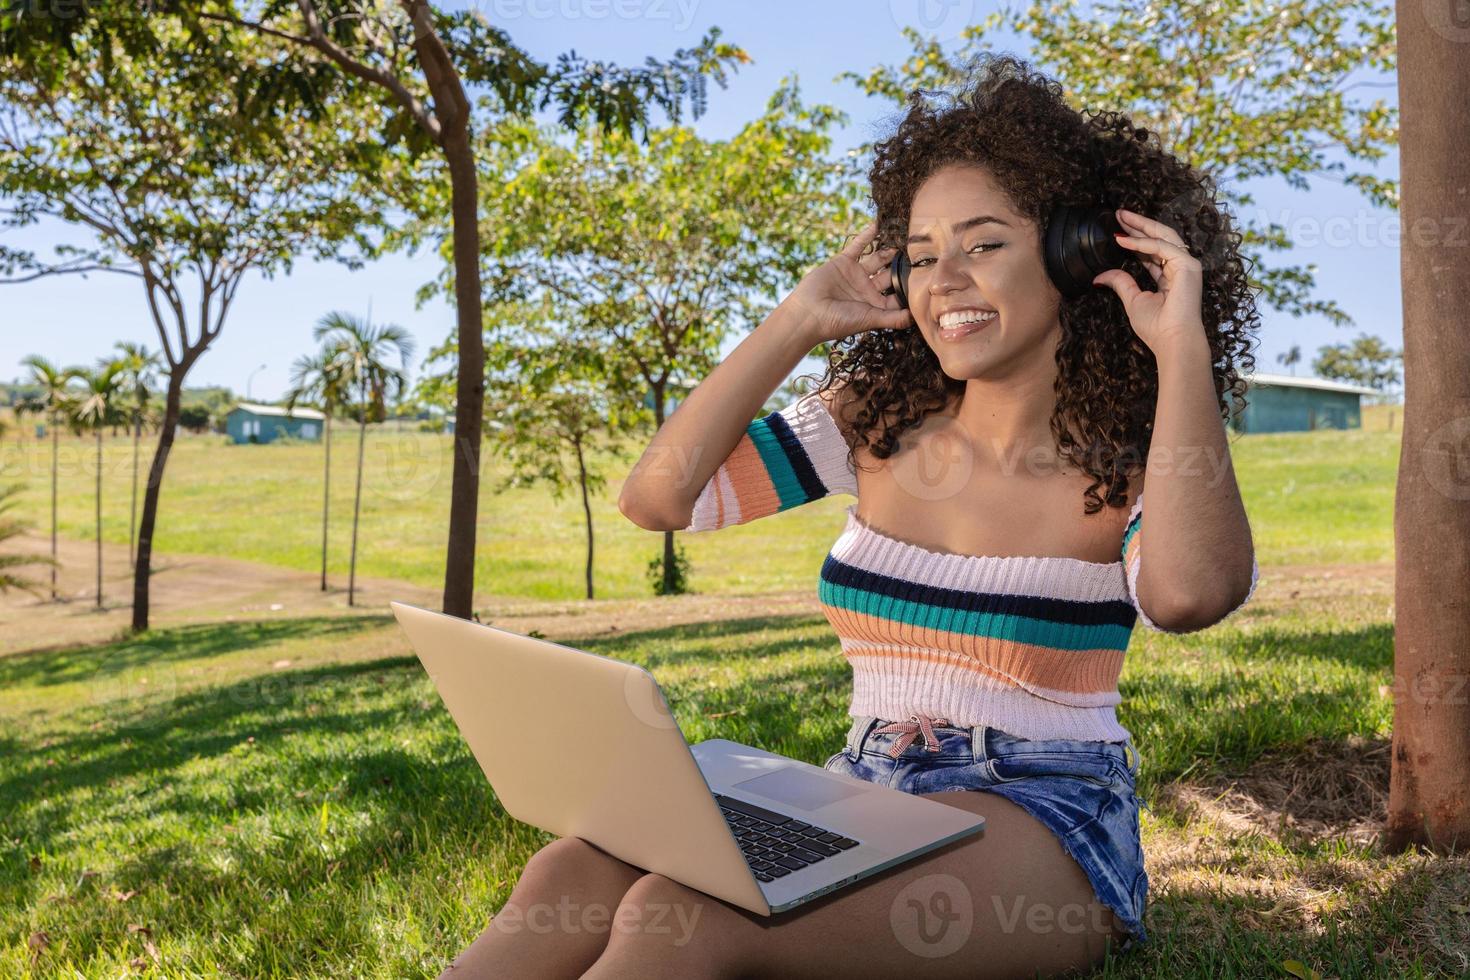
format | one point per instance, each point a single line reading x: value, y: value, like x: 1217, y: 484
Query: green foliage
x: 673, y: 578
x: 1240, y: 89
x: 357, y: 355
x: 148, y: 138
x: 195, y: 418
x: 1366, y: 360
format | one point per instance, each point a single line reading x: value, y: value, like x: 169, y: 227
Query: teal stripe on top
x: 778, y: 467
x: 999, y: 626
x: 1133, y: 527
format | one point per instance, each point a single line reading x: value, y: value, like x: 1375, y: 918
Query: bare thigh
x: 1010, y: 902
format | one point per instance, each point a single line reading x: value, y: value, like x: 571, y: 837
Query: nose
x: 947, y: 275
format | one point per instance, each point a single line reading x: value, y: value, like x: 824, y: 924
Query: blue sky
x: 75, y: 320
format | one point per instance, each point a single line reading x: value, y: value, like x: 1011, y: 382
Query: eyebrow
x: 965, y: 225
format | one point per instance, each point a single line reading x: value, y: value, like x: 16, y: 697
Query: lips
x: 965, y: 329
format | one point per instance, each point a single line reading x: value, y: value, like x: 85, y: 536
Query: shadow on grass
x: 61, y: 665
x: 372, y: 739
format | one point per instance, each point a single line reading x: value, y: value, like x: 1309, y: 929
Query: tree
x: 1290, y: 358
x: 55, y: 399
x: 547, y: 407
x: 1239, y: 89
x: 95, y: 409
x: 126, y: 132
x: 317, y: 378
x: 651, y: 254
x: 1364, y: 361
x: 138, y: 374
x: 359, y: 354
x: 1429, y: 786
x: 423, y: 62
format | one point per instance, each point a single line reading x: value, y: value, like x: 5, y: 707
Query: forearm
x: 1198, y: 542
x: 707, y: 425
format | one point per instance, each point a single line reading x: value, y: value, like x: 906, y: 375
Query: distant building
x: 1286, y: 403
x: 249, y: 422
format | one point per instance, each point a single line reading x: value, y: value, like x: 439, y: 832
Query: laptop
x: 583, y: 745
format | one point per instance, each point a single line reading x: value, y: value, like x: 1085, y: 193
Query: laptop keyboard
x: 774, y: 844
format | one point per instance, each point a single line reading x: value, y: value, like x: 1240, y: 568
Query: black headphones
x: 1077, y: 244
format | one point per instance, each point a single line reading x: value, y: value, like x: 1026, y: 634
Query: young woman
x: 995, y: 434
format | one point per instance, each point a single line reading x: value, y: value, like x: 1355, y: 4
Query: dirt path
x: 194, y: 588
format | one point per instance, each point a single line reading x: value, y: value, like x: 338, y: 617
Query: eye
x: 981, y: 247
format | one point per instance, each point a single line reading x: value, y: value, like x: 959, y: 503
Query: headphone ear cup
x: 898, y: 269
x: 1079, y: 245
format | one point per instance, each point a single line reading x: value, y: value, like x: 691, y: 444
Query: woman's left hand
x: 1172, y: 314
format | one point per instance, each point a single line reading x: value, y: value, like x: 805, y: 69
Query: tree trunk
x: 464, y: 497
x: 356, y: 507
x: 587, y: 510
x: 326, y: 494
x: 658, y: 417
x: 99, y: 518
x: 55, y: 449
x: 149, y: 518
x: 133, y: 511
x: 1429, y: 785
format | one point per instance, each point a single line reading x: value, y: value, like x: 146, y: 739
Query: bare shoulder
x: 840, y: 402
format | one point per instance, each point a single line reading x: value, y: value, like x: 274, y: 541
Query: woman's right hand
x: 845, y: 295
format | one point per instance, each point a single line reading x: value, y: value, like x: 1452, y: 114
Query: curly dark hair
x: 1013, y: 121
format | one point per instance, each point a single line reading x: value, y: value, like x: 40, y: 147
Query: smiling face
x: 996, y: 265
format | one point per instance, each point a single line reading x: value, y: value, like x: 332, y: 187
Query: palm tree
x: 1291, y: 358
x: 360, y: 353
x: 318, y: 378
x: 54, y: 401
x: 97, y: 409
x: 138, y: 375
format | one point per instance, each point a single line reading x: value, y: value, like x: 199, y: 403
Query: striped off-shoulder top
x: 1032, y: 646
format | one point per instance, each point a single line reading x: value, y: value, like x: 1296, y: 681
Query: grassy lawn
x: 287, y: 797
x: 263, y: 503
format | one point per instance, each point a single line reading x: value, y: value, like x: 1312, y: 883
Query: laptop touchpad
x: 800, y: 788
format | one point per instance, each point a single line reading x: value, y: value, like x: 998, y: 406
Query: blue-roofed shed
x: 1286, y: 403
x: 249, y: 422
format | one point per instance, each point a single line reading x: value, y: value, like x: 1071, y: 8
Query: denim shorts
x: 1085, y: 791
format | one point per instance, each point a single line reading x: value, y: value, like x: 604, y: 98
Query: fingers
x: 1119, y: 282
x: 1131, y: 220
x: 876, y: 262
x: 854, y: 248
x: 1167, y: 253
x: 882, y: 280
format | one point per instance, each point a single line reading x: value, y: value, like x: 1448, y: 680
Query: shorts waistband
x: 985, y: 741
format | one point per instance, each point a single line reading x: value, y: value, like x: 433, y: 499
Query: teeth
x: 966, y: 316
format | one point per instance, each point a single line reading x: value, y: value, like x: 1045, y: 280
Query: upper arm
x: 1133, y: 562
x: 790, y: 457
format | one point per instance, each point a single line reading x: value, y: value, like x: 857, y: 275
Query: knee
x: 663, y: 921
x: 566, y: 858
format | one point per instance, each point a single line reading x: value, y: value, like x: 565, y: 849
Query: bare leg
x: 550, y: 925
x: 1010, y: 903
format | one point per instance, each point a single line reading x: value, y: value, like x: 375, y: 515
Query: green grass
x: 287, y: 797
x: 263, y: 503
